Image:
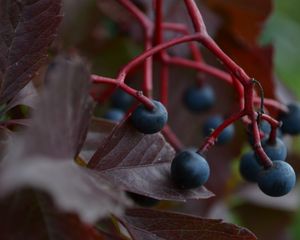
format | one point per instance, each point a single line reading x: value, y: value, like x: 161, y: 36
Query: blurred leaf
x: 31, y: 215
x: 160, y: 225
x: 26, y: 97
x: 140, y: 163
x: 243, y: 22
x: 43, y: 156
x: 267, y: 223
x: 27, y: 29
x: 244, y: 19
x: 73, y: 188
x: 283, y: 30
x: 65, y: 107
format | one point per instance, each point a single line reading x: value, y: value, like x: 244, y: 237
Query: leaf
x: 64, y: 111
x: 73, y: 188
x: 26, y: 96
x: 43, y: 156
x: 259, y: 219
x: 243, y: 22
x: 283, y: 31
x: 30, y: 214
x: 140, y: 163
x: 99, y: 129
x: 28, y: 27
x: 244, y: 19
x: 150, y: 224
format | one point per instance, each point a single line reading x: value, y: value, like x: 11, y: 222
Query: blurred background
x: 260, y: 35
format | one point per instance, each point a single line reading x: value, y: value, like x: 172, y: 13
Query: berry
x: 115, y: 115
x: 121, y: 100
x: 199, y: 99
x: 149, y: 121
x: 212, y: 123
x: 291, y: 120
x: 189, y: 170
x: 249, y: 167
x: 276, y: 151
x: 141, y: 200
x: 278, y: 180
x: 265, y: 129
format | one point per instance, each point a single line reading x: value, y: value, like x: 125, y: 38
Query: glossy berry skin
x: 189, y: 170
x: 114, y: 114
x: 149, y: 121
x: 143, y: 201
x: 291, y: 120
x: 121, y: 100
x: 212, y: 123
x: 249, y: 167
x: 199, y: 99
x: 275, y: 151
x: 277, y: 180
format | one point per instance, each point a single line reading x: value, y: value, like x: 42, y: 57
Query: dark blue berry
x: 121, y: 100
x: 275, y: 151
x: 278, y: 180
x: 212, y: 123
x: 149, y: 121
x: 199, y: 99
x: 189, y: 170
x: 115, y: 115
x: 249, y: 167
x: 143, y: 201
x: 291, y: 120
x: 265, y: 129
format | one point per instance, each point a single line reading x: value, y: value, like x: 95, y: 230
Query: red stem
x: 197, y: 56
x: 211, y: 140
x: 195, y: 16
x: 147, y: 28
x: 133, y: 92
x: 201, y: 67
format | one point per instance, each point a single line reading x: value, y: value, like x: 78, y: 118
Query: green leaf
x: 283, y: 30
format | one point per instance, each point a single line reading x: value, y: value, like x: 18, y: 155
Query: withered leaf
x: 31, y: 214
x: 140, y: 163
x: 28, y: 27
x: 148, y: 224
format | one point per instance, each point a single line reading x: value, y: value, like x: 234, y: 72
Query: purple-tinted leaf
x: 99, y: 129
x: 28, y: 27
x: 141, y: 164
x: 149, y: 224
x: 43, y: 156
x: 64, y: 110
x: 26, y: 96
x: 74, y: 189
x: 31, y: 215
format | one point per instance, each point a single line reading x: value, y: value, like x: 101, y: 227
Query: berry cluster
x: 265, y: 164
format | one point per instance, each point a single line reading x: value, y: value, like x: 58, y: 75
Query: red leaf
x: 243, y: 22
x: 28, y: 27
x: 243, y: 18
x: 32, y: 215
x: 160, y: 225
x: 140, y: 163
